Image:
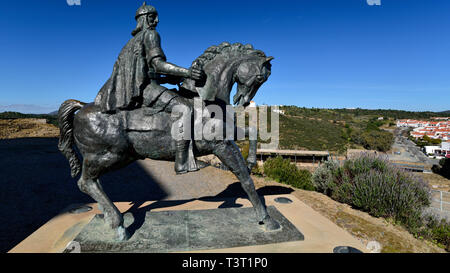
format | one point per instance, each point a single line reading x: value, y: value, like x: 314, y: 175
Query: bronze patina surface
x: 132, y: 117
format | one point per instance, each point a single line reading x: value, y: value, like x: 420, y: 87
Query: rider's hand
x: 196, y: 74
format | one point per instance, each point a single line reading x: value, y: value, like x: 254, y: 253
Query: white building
x: 278, y: 111
x: 411, y: 123
x: 446, y: 146
x: 439, y: 151
x: 431, y: 150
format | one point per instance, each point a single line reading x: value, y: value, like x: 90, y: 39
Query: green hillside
x: 339, y: 129
x: 311, y: 134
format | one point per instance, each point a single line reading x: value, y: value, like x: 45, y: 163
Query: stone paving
x: 209, y: 181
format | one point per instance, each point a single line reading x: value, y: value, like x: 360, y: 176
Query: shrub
x: 257, y: 170
x: 436, y: 168
x: 437, y: 231
x: 374, y: 185
x: 245, y: 150
x: 283, y: 171
x: 390, y: 194
x: 443, y: 168
x: 323, y: 176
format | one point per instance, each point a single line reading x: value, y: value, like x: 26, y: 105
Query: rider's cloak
x: 132, y: 72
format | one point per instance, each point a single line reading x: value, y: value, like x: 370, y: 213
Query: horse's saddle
x: 145, y: 119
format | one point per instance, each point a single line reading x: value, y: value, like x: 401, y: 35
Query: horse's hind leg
x: 90, y: 184
x: 229, y: 154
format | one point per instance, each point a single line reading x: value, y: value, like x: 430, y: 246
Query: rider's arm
x: 157, y: 59
x: 163, y: 67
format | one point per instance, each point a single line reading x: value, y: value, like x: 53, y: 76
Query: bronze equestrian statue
x: 132, y: 118
x: 136, y: 78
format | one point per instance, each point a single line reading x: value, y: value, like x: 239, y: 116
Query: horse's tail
x: 66, y: 114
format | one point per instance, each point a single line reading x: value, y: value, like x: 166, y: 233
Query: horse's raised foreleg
x: 252, y: 134
x: 251, y: 158
x: 229, y: 154
x: 90, y: 184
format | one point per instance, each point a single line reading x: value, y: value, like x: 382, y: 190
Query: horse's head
x: 227, y: 64
x: 250, y: 75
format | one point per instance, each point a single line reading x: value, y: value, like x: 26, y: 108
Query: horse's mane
x: 213, y: 67
x: 227, y: 49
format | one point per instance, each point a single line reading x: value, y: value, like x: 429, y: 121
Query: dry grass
x: 436, y: 181
x: 28, y: 127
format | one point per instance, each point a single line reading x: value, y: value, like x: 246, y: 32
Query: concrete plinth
x: 187, y: 230
x: 194, y: 226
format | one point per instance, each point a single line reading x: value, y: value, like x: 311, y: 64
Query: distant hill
x: 336, y: 113
x: 52, y: 119
x: 444, y: 112
x: 54, y: 113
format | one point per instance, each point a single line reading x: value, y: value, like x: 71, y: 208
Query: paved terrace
x: 37, y: 187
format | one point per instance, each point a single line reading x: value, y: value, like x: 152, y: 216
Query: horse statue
x: 112, y: 141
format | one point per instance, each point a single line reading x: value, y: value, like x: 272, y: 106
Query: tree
x: 445, y: 167
x: 373, y: 140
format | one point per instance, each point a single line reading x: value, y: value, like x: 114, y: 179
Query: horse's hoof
x: 122, y: 234
x: 251, y: 165
x: 270, y: 224
x: 180, y: 172
x: 100, y: 208
x: 201, y: 164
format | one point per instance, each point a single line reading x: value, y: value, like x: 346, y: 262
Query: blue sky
x: 328, y: 53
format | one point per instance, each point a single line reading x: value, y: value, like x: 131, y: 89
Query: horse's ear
x: 267, y: 61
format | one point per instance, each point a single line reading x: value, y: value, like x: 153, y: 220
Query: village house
x: 437, y: 129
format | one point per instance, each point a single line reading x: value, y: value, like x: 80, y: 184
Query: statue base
x: 206, y: 225
x: 187, y: 230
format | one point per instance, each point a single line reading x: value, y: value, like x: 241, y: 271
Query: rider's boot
x: 182, y: 159
x: 184, y: 156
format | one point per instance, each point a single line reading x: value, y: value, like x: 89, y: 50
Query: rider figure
x: 137, y: 74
